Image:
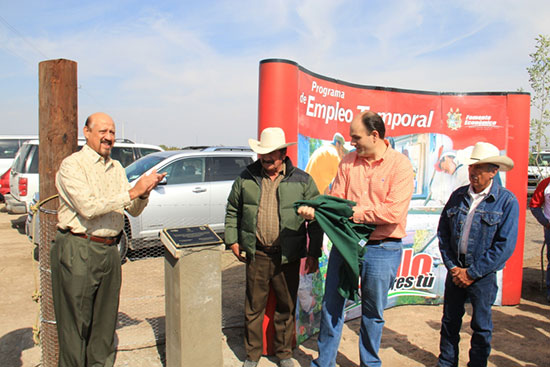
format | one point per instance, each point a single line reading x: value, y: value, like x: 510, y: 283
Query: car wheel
x: 123, y: 247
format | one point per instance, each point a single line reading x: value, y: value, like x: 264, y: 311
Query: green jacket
x: 349, y: 238
x: 242, y: 213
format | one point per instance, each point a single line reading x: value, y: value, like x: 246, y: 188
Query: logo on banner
x: 454, y: 119
x: 414, y: 277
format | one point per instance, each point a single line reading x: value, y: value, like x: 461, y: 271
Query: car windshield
x: 543, y: 159
x: 8, y: 148
x: 139, y: 167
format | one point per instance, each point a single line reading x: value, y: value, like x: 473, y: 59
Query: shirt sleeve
x: 137, y: 205
x: 537, y: 200
x: 444, y: 236
x: 232, y: 213
x: 340, y: 184
x: 73, y: 187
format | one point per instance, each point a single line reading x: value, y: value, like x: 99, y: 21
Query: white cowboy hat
x: 488, y: 153
x: 271, y: 139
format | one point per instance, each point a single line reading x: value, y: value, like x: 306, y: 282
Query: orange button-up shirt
x: 382, y: 190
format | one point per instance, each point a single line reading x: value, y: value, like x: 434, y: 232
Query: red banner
x: 316, y: 112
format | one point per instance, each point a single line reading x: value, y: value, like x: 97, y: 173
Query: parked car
x: 4, y: 185
x: 194, y: 191
x: 9, y: 146
x: 24, y: 171
x: 538, y: 172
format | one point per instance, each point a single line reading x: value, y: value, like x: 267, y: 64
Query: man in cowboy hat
x: 261, y: 222
x: 477, y: 233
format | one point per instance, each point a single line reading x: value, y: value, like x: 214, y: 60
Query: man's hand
x: 236, y: 248
x: 461, y: 278
x: 146, y: 184
x: 312, y: 264
x: 306, y: 212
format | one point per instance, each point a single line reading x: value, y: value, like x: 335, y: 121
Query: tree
x: 539, y: 78
x: 168, y: 148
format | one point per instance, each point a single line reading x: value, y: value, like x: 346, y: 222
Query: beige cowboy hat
x: 271, y: 139
x: 488, y: 153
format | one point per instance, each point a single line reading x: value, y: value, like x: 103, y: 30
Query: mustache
x: 269, y: 161
x: 110, y: 142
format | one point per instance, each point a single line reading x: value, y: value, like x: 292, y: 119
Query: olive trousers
x: 86, y: 279
x: 264, y: 271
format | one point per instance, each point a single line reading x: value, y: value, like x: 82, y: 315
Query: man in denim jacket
x: 477, y: 234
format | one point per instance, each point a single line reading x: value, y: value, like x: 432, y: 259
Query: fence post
x: 58, y: 133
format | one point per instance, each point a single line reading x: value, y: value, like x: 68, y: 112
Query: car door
x: 222, y: 172
x: 183, y: 201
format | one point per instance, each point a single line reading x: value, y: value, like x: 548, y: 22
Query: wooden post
x: 58, y: 133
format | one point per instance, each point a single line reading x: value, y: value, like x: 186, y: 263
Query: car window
x: 31, y: 166
x: 544, y: 159
x: 125, y: 155
x: 186, y: 170
x: 226, y: 168
x: 9, y: 148
x: 139, y: 167
x: 19, y: 164
x: 144, y: 151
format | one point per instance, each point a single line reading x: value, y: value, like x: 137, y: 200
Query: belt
x: 268, y: 249
x: 388, y: 239
x: 109, y: 241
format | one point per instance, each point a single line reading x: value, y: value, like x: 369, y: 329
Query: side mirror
x: 163, y: 181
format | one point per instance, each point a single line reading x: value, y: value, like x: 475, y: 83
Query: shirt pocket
x: 489, y: 225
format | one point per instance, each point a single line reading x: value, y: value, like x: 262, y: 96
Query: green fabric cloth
x: 333, y: 215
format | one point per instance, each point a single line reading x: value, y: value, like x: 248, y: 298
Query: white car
x: 9, y: 146
x: 194, y: 191
x: 24, y: 181
x: 537, y: 173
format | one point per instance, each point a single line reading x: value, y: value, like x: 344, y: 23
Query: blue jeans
x: 547, y: 241
x: 482, y: 294
x: 539, y: 215
x: 378, y: 271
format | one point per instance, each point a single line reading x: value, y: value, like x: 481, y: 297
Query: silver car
x: 194, y: 191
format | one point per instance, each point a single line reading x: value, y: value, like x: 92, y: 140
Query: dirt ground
x: 411, y: 335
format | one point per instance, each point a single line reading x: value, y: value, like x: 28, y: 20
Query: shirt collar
x: 485, y: 192
x: 94, y: 156
x: 384, y: 156
x: 281, y: 172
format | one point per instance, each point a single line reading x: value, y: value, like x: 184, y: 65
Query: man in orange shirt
x: 380, y: 180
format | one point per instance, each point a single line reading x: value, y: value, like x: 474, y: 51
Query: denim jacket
x: 493, y: 233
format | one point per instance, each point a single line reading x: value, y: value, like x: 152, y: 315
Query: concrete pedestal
x: 193, y: 306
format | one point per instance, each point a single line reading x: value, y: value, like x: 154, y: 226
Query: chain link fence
x: 141, y: 311
x: 141, y: 316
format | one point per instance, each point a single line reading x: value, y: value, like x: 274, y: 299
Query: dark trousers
x: 263, y: 271
x: 482, y: 294
x: 86, y: 280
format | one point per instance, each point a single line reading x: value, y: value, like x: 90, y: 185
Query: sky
x: 185, y: 72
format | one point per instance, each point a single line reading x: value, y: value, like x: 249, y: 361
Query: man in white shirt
x: 85, y: 263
